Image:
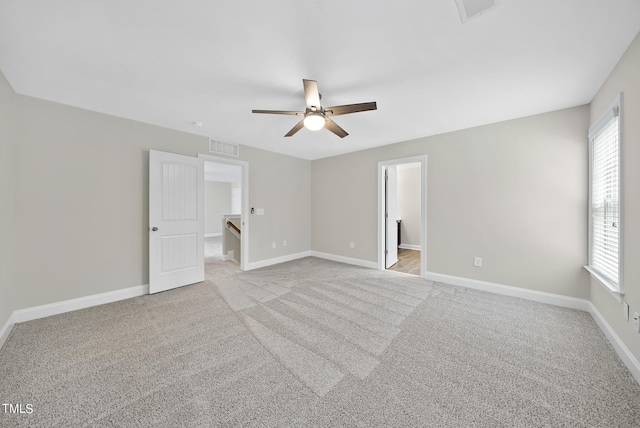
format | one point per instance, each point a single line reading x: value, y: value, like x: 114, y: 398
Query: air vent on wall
x: 471, y: 8
x: 223, y: 148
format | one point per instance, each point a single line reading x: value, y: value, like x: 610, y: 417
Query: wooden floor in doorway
x: 408, y: 261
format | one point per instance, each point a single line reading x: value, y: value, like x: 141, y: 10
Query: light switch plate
x: 260, y: 211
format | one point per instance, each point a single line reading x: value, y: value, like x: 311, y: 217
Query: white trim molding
x: 6, y: 330
x: 409, y: 247
x: 382, y: 165
x: 42, y: 311
x: 625, y: 354
x: 36, y: 312
x: 507, y: 290
x: 621, y: 349
x: 276, y: 260
x: 552, y: 299
x: 342, y: 259
x: 229, y: 256
x: 212, y: 235
x: 605, y: 283
x: 244, y: 239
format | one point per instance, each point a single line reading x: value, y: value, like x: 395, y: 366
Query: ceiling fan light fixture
x: 314, y: 121
x: 316, y: 117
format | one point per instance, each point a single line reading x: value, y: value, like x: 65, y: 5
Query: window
x: 605, y: 213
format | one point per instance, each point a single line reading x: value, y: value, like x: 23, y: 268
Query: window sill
x: 606, y: 284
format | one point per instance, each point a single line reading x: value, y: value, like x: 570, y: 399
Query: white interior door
x: 391, y: 215
x: 176, y: 220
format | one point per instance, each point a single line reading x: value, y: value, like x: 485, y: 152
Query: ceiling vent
x: 224, y: 148
x: 471, y: 8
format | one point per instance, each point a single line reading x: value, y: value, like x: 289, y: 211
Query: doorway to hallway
x: 222, y: 197
x: 227, y: 212
x: 408, y: 261
x: 402, y: 215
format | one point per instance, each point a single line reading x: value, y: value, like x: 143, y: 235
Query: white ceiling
x: 171, y: 63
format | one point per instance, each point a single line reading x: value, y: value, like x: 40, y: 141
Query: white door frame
x: 422, y: 159
x: 391, y: 215
x: 244, y: 235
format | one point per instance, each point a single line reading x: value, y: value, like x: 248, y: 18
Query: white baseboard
x: 621, y: 349
x: 343, y: 259
x: 625, y: 354
x: 552, y: 299
x: 507, y: 290
x: 228, y: 256
x: 212, y: 235
x: 4, y: 333
x: 36, y: 312
x: 276, y: 260
x: 409, y: 247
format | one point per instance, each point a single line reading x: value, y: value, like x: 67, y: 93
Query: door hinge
x: 386, y: 215
x: 386, y: 252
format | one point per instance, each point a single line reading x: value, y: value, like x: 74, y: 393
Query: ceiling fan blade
x: 333, y: 127
x: 350, y: 108
x: 299, y: 113
x: 295, y: 129
x: 311, y: 94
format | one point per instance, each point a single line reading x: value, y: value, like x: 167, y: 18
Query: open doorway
x: 221, y: 183
x: 402, y: 215
x: 226, y: 199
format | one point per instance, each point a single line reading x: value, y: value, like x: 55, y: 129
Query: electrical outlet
x: 352, y: 244
x: 625, y: 310
x: 636, y: 322
x: 273, y: 244
x: 284, y: 243
x: 477, y: 262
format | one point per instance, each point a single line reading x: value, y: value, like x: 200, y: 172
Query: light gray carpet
x: 317, y: 343
x: 213, y: 247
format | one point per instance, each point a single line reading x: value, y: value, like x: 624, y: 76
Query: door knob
x: 154, y: 229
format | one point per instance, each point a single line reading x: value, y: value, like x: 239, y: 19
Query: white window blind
x: 605, y: 218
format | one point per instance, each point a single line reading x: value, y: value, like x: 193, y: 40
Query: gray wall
x: 75, y: 185
x: 625, y: 78
x: 281, y: 186
x: 217, y: 202
x: 7, y: 277
x: 82, y: 200
x: 409, y: 204
x: 513, y: 193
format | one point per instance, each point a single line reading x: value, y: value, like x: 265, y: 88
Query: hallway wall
x: 409, y: 204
